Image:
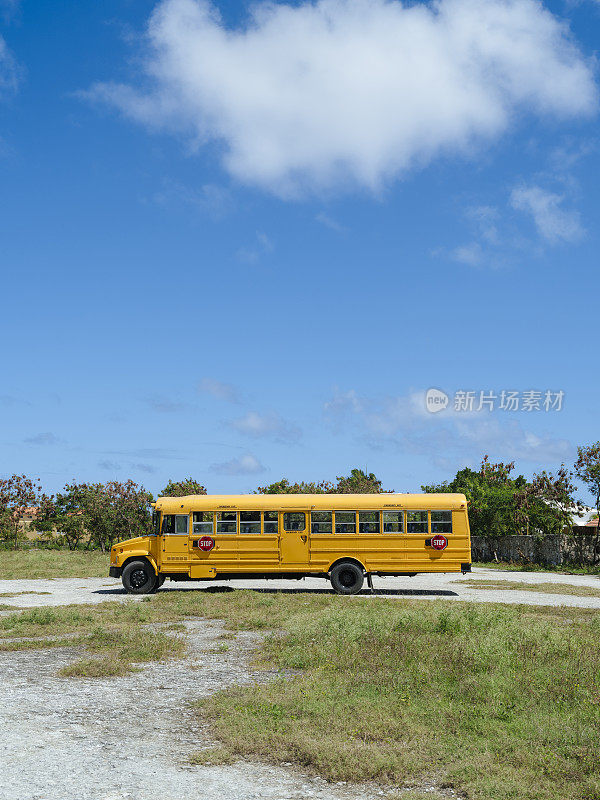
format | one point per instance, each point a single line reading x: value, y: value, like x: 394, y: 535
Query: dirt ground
x: 130, y: 738
x: 62, y: 591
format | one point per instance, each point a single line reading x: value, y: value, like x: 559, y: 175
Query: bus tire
x: 346, y: 578
x: 139, y: 578
x: 160, y: 580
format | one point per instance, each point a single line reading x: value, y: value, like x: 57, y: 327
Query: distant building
x: 586, y: 521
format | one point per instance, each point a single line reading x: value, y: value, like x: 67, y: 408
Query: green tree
x: 17, y: 494
x: 62, y: 515
x: 500, y: 504
x: 182, y: 488
x: 105, y: 512
x: 285, y: 487
x: 358, y: 482
x: 491, y: 496
x: 548, y: 501
x: 587, y: 469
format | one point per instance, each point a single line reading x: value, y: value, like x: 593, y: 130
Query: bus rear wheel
x: 139, y: 578
x: 346, y: 578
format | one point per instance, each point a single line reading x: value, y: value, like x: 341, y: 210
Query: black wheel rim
x: 138, y: 578
x: 347, y: 578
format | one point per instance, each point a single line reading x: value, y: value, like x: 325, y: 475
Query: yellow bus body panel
x: 303, y: 552
x: 140, y: 547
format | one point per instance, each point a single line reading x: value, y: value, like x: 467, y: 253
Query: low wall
x: 549, y: 551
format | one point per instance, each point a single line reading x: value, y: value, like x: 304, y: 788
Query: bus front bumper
x: 114, y: 572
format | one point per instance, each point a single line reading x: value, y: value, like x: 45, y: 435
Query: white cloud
x: 552, y: 221
x: 150, y: 453
x: 210, y: 199
x: 10, y: 6
x: 499, y: 237
x: 9, y: 400
x: 344, y: 402
x: 262, y: 246
x: 335, y: 92
x: 402, y: 422
x: 330, y: 223
x: 147, y: 468
x: 220, y: 390
x: 164, y: 404
x: 488, y: 247
x: 244, y: 465
x: 270, y: 425
x: 485, y: 219
x: 470, y: 254
x: 9, y: 9
x: 9, y: 71
x: 46, y: 438
x: 107, y: 464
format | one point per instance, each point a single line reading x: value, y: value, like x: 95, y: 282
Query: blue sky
x: 242, y: 241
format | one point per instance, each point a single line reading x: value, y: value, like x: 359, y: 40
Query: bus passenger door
x: 293, y: 540
x: 174, y: 550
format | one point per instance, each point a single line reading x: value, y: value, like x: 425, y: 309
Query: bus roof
x: 326, y: 502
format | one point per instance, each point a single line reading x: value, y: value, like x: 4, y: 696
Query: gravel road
x: 129, y: 738
x: 61, y: 591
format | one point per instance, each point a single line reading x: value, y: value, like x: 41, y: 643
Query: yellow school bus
x: 341, y: 537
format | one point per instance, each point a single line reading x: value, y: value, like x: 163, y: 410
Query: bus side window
x: 227, y: 522
x: 175, y: 523
x: 441, y: 522
x: 203, y: 522
x: 294, y: 521
x: 168, y: 523
x: 249, y: 521
x: 271, y: 522
x: 321, y: 522
x: 181, y: 523
x: 156, y: 521
x: 368, y: 521
x: 393, y: 521
x: 416, y: 522
x: 345, y: 521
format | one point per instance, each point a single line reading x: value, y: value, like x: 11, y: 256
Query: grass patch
x: 34, y: 644
x: 26, y: 564
x: 114, y: 632
x: 563, y: 569
x: 497, y: 702
x: 106, y: 667
x: 415, y: 794
x: 222, y: 648
x: 58, y: 620
x: 137, y: 645
x: 213, y: 757
x: 177, y: 626
x: 547, y: 588
x: 16, y: 594
x: 120, y: 650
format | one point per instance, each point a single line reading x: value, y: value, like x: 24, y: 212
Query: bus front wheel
x: 139, y: 578
x: 346, y: 578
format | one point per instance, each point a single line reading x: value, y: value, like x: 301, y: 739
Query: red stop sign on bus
x: 439, y: 542
x: 206, y: 543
